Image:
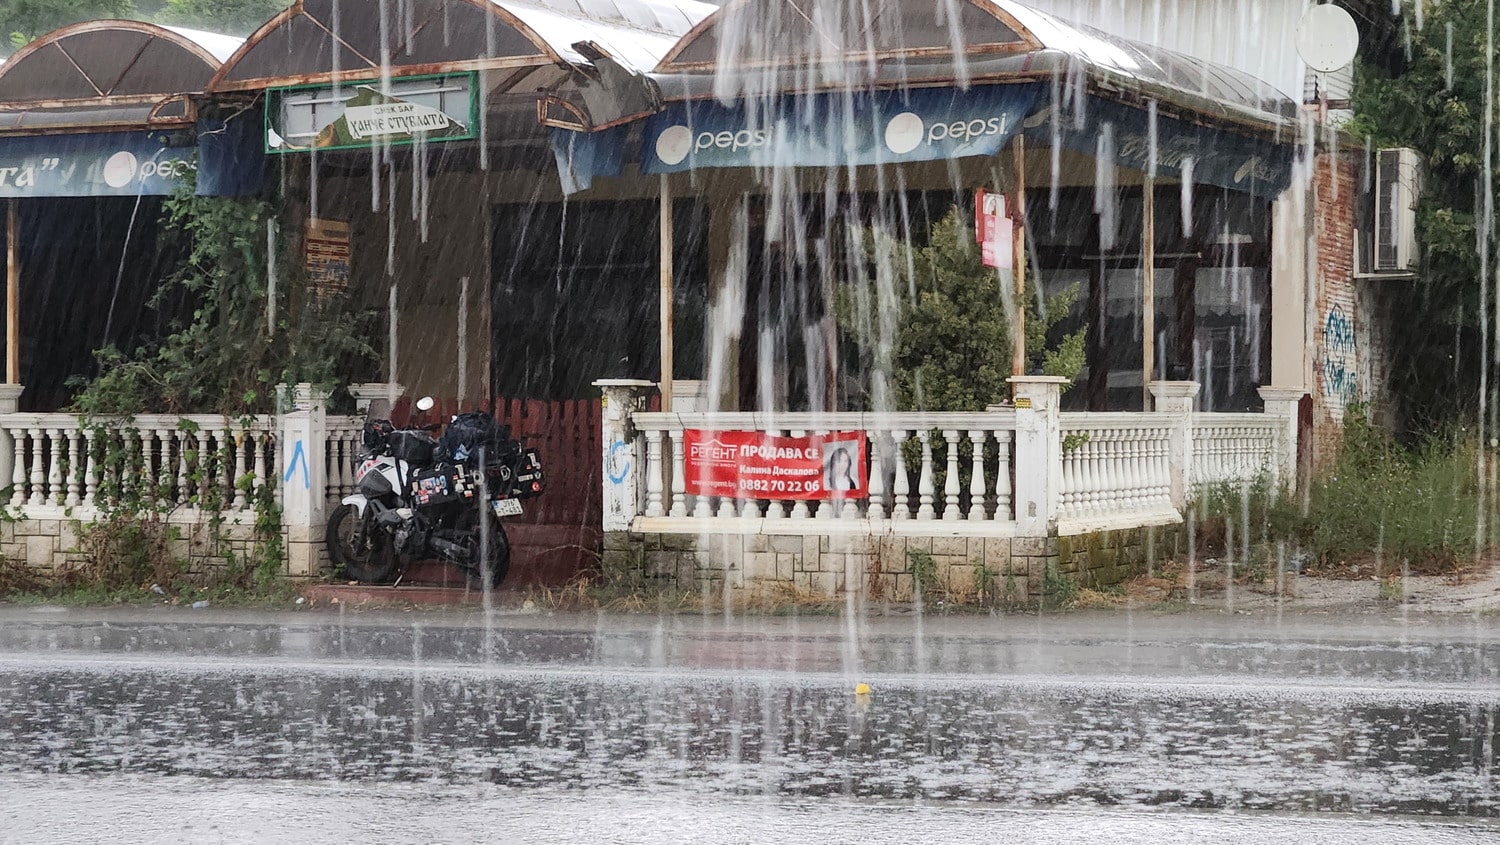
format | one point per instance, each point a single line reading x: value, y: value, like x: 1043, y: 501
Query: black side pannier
x: 437, y: 486
x: 469, y: 432
x: 377, y: 434
x: 417, y: 448
x: 527, y: 481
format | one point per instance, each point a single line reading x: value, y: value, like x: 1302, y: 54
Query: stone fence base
x: 49, y: 542
x: 890, y: 566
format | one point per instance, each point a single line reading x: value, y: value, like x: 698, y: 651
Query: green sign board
x: 362, y: 114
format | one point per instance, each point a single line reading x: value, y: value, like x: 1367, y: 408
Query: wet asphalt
x: 1153, y: 727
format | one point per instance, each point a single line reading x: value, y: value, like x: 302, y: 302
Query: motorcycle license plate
x: 506, y: 507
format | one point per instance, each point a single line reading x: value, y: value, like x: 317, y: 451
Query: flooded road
x: 1165, y: 727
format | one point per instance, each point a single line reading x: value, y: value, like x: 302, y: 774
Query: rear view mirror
x: 425, y: 404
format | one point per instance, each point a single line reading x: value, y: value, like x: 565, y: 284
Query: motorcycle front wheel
x: 499, y: 551
x: 374, y: 564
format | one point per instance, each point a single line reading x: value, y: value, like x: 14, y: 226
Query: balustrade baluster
x: 977, y: 487
x: 1130, y: 454
x: 75, y: 468
x: 654, y: 469
x: 236, y: 489
x: 55, y: 471
x: 209, y: 448
x: 18, y: 468
x: 1162, y: 464
x: 261, y: 444
x: 679, y: 476
x: 901, y: 481
x: 334, y: 484
x: 152, y: 491
x: 1002, y: 478
x: 925, y: 489
x: 38, y: 470
x: 1105, y: 492
x: 91, y: 456
x: 952, y: 486
x: 184, y: 438
x: 1068, y: 501
x: 1092, y: 474
x: 850, y: 508
x: 876, y: 490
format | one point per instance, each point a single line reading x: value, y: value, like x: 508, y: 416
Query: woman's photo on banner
x: 841, y: 473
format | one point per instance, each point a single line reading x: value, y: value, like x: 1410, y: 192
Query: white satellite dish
x: 1327, y: 38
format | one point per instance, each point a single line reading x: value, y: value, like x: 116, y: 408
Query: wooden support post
x: 13, y: 293
x: 1018, y: 260
x: 666, y: 293
x: 1148, y: 290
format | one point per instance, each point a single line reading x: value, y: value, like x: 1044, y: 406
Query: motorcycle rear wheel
x: 375, y: 565
x: 499, y: 551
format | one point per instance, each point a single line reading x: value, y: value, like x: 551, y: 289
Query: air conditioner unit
x: 1398, y: 186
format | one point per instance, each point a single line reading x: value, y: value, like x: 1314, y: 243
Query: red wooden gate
x: 559, y: 536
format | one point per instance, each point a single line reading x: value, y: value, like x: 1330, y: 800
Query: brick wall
x: 1337, y: 320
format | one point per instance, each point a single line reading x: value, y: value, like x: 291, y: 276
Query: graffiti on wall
x: 1339, y: 372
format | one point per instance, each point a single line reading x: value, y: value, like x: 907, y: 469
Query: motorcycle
x: 419, y: 497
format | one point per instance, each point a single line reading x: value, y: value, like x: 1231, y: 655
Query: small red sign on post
x: 993, y: 230
x: 752, y: 465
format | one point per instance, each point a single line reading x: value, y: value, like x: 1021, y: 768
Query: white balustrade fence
x: 1234, y: 448
x: 197, y: 460
x: 1085, y: 471
x: 924, y: 467
x: 1115, y: 463
x: 345, y: 445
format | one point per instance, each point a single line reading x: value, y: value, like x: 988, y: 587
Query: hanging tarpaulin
x: 1241, y: 162
x: 839, y: 129
x: 581, y: 156
x: 106, y: 164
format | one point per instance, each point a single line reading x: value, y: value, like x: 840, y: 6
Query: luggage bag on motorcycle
x: 417, y: 448
x: 470, y: 432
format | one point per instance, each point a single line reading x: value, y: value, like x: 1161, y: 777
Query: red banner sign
x: 752, y: 465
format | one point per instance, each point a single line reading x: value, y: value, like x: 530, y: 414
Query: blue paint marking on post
x: 298, y: 456
x: 617, y: 477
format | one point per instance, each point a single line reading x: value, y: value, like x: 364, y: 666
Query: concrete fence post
x: 1176, y: 399
x: 303, y: 435
x: 10, y: 403
x: 375, y: 391
x: 1038, y: 492
x: 621, y: 477
x: 1282, y: 402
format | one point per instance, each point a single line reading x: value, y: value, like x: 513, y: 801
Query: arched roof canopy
x: 761, y: 47
x: 316, y: 41
x: 105, y: 74
x: 780, y: 33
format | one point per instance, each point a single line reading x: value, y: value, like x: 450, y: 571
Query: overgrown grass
x: 1381, y: 502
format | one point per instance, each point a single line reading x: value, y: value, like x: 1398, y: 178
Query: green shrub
x: 1413, y: 505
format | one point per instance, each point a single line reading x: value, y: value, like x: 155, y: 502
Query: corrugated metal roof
x: 637, y: 33
x: 220, y: 46
x: 307, y: 42
x: 768, y: 62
